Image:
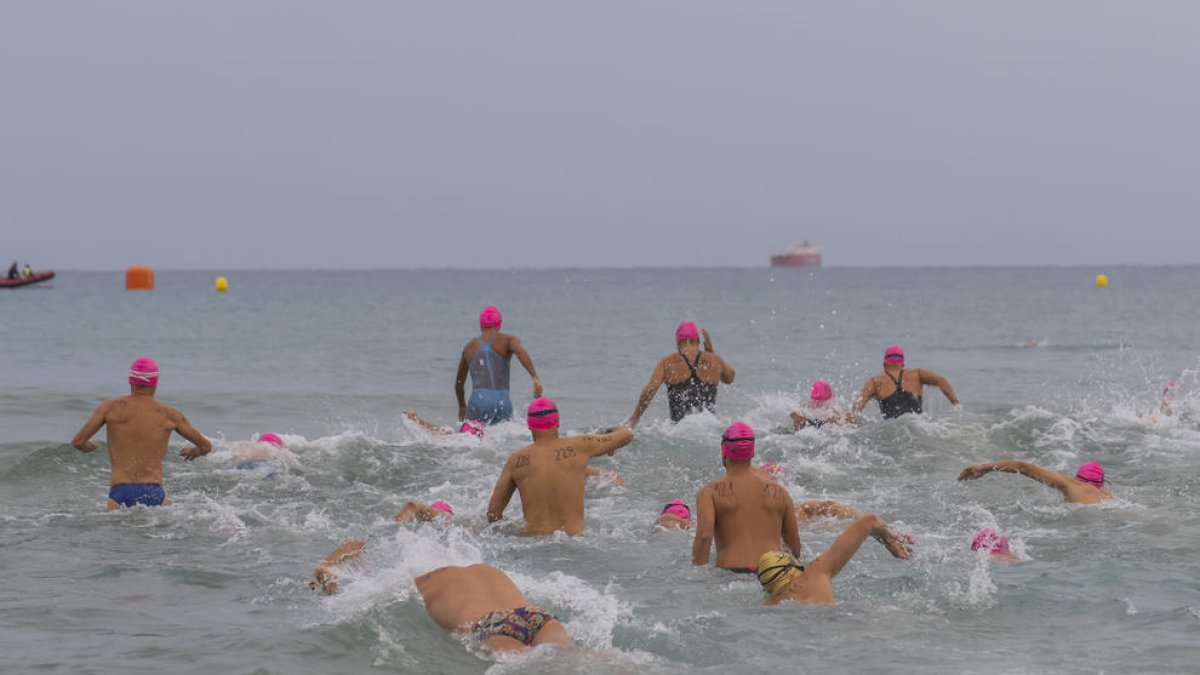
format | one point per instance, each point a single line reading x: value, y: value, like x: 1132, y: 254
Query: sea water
x: 217, y: 582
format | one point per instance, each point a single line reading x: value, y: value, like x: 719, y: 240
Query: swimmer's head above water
x: 678, y: 509
x: 1092, y: 473
x: 821, y: 392
x: 144, y: 373
x: 737, y: 443
x: 271, y: 438
x: 687, y: 331
x: 776, y: 569
x: 894, y: 354
x: 988, y: 540
x: 442, y: 506
x: 490, y: 317
x: 542, y: 414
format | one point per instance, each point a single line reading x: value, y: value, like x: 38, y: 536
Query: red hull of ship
x: 801, y: 260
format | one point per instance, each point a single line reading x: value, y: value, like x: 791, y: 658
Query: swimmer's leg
x: 553, y: 633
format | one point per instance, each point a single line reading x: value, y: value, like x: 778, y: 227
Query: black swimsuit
x: 691, y: 395
x: 900, y: 402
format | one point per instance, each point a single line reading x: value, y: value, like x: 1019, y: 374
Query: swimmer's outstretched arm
x: 607, y: 443
x: 323, y: 575
x: 933, y: 379
x: 706, y: 520
x: 831, y: 562
x: 1051, y: 478
x: 82, y: 441
x: 615, y: 477
x: 527, y: 361
x: 816, y: 508
x: 868, y: 393
x: 656, y: 379
x: 427, y: 425
x: 503, y: 492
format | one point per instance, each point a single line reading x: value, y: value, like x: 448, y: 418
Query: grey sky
x: 495, y: 134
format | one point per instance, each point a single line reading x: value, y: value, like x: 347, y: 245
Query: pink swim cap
x: 738, y: 441
x: 893, y: 354
x: 1091, y: 472
x: 542, y: 414
x: 774, y: 470
x: 687, y: 331
x: 144, y: 372
x: 989, y: 540
x: 678, y: 509
x: 472, y: 427
x: 490, y: 317
x: 442, y: 506
x: 821, y: 392
x: 271, y: 438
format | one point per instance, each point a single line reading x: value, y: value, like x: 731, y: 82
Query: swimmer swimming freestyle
x: 1086, y: 487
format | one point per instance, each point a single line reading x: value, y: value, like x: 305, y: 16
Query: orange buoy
x: 139, y: 278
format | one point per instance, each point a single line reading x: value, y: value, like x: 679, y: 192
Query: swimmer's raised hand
x: 708, y: 345
x: 192, y: 452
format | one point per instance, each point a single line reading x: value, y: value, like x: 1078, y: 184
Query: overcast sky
x: 515, y: 134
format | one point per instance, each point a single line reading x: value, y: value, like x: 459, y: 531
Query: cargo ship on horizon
x: 800, y: 255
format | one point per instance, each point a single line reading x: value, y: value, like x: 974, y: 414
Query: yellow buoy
x: 221, y: 284
x: 1101, y: 280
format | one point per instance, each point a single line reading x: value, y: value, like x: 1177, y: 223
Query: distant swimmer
x: 899, y: 391
x: 138, y: 431
x: 822, y: 409
x: 746, y: 511
x: 1086, y: 487
x: 1168, y: 398
x: 473, y: 427
x: 691, y: 375
x: 267, y: 451
x: 784, y: 578
x: 675, y: 516
x: 549, y: 473
x: 487, y: 359
x: 996, y: 546
x: 419, y: 512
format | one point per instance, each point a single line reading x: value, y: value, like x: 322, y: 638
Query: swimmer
x: 549, y: 473
x: 487, y: 359
x: 825, y: 508
x: 996, y: 546
x: 675, y: 516
x: 604, y: 474
x: 473, y: 427
x: 899, y: 391
x: 772, y: 470
x: 419, y: 512
x: 784, y: 578
x: 139, y: 429
x: 267, y: 450
x: 745, y: 511
x: 479, y: 599
x: 691, y: 375
x: 483, y: 601
x: 822, y: 409
x: 1168, y: 397
x: 1086, y: 487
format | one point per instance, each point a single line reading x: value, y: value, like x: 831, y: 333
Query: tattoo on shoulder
x: 522, y: 460
x: 564, y: 453
x: 723, y: 489
x: 771, y: 491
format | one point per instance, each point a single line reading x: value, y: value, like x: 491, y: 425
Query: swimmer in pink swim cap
x: 420, y: 512
x: 1086, y: 487
x: 267, y: 451
x: 139, y: 429
x: 550, y: 473
x: 675, y: 516
x: 996, y: 546
x: 900, y: 391
x: 472, y: 427
x: 486, y: 359
x: 691, y: 376
x: 822, y: 409
x: 744, y: 512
